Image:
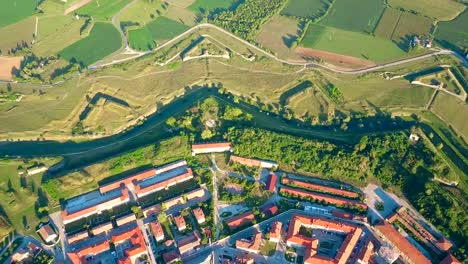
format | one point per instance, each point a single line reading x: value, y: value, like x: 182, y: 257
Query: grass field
x: 140, y: 12
x: 56, y: 33
x: 278, y: 33
x: 388, y: 22
x: 454, y: 34
x: 354, y: 15
x: 12, y: 11
x: 208, y: 6
x: 102, y: 10
x: 437, y: 9
x: 183, y: 15
x: 452, y: 110
x: 310, y: 102
x: 157, y: 30
x: 350, y: 43
x: 102, y: 41
x: 311, y: 9
x: 410, y: 25
x: 14, y: 34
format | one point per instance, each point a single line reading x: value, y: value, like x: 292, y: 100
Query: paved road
x: 307, y: 64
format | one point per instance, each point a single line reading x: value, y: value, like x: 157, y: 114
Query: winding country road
x: 306, y: 64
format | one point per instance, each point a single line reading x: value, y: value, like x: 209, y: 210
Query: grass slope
x: 12, y: 11
x: 12, y: 35
x: 102, y: 41
x: 451, y: 110
x: 454, y: 34
x: 354, y: 15
x: 102, y: 10
x: 438, y: 9
x: 305, y: 8
x: 350, y: 43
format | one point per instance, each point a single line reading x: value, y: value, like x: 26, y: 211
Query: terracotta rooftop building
x: 157, y: 230
x: 410, y: 252
x: 77, y: 237
x: 323, y: 197
x: 253, y: 162
x: 275, y: 231
x: 366, y: 253
x: 163, y: 181
x: 137, y: 248
x: 320, y: 188
x: 294, y: 238
x: 199, y: 215
x: 104, y: 228
x: 171, y: 257
x: 47, y: 233
x: 240, y: 220
x: 269, y: 209
x: 252, y: 245
x: 211, y: 148
x: 125, y: 219
x: 81, y: 256
x: 189, y: 243
x: 271, y: 182
x: 450, y: 259
x: 180, y: 223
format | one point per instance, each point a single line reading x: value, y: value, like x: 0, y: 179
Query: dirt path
x: 76, y: 6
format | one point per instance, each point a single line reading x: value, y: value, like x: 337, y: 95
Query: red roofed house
x: 250, y: 245
x: 199, y: 215
x: 271, y: 182
x: 125, y: 219
x: 171, y: 257
x: 296, y: 239
x: 269, y: 209
x: 77, y: 237
x: 180, y: 223
x: 240, y: 220
x: 156, y: 185
x: 47, y: 233
x: 410, y: 252
x: 104, y: 228
x: 450, y: 259
x: 366, y: 253
x: 210, y: 148
x: 81, y: 256
x: 320, y: 188
x: 189, y: 243
x: 157, y: 230
x: 137, y: 249
x: 275, y: 231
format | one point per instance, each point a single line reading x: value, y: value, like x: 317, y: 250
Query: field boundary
x: 76, y: 6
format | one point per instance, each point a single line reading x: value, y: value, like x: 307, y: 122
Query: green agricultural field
x: 454, y: 34
x: 102, y: 41
x: 12, y: 11
x: 208, y: 6
x: 354, y: 15
x: 102, y: 10
x: 388, y: 23
x: 410, y: 25
x: 278, y: 34
x: 437, y: 9
x: 312, y: 9
x: 182, y: 15
x: 350, y: 43
x: 157, y: 30
x: 451, y: 110
x: 141, y: 12
x: 14, y: 34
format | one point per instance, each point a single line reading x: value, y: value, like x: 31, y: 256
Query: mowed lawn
x: 437, y: 9
x: 102, y: 41
x: 278, y: 34
x: 102, y: 10
x: 12, y: 11
x: 354, y: 15
x: 356, y: 44
x: 454, y: 34
x: 306, y: 8
x: 211, y: 5
x: 156, y: 31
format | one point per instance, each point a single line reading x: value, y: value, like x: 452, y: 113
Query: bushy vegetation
x: 252, y: 194
x: 247, y: 18
x: 310, y: 9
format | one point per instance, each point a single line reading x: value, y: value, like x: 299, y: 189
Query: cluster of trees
x: 253, y: 194
x: 247, y: 18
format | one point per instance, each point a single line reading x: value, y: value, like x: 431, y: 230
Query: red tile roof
x: 269, y: 209
x: 401, y: 243
x: 246, y: 161
x: 198, y: 193
x: 157, y: 230
x: 164, y: 184
x: 77, y: 237
x: 450, y: 259
x: 250, y: 245
x: 275, y: 231
x: 102, y: 228
x: 366, y: 252
x: 79, y: 257
x: 271, y: 183
x: 318, y: 187
x: 137, y: 177
x: 180, y: 222
x: 240, y: 220
x: 137, y: 241
x: 199, y: 215
x: 189, y: 243
x: 47, y: 233
x: 323, y: 197
x: 125, y: 219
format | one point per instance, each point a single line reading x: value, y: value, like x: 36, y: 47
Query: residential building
x: 134, y: 248
x: 197, y: 193
x: 180, y: 223
x: 157, y: 230
x: 366, y: 253
x: 269, y: 209
x: 20, y: 255
x: 174, y: 202
x: 199, y: 215
x: 125, y: 219
x: 253, y: 162
x: 77, y: 237
x: 47, y: 233
x: 450, y: 259
x: 310, y: 244
x: 271, y: 182
x: 275, y: 231
x: 163, y: 181
x: 211, y: 148
x: 320, y: 188
x: 104, y: 228
x: 171, y: 257
x: 189, y: 243
x: 410, y: 252
x: 252, y: 245
x: 240, y: 220
x: 84, y: 254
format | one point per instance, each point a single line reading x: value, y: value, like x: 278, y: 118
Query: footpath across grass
x: 102, y: 41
